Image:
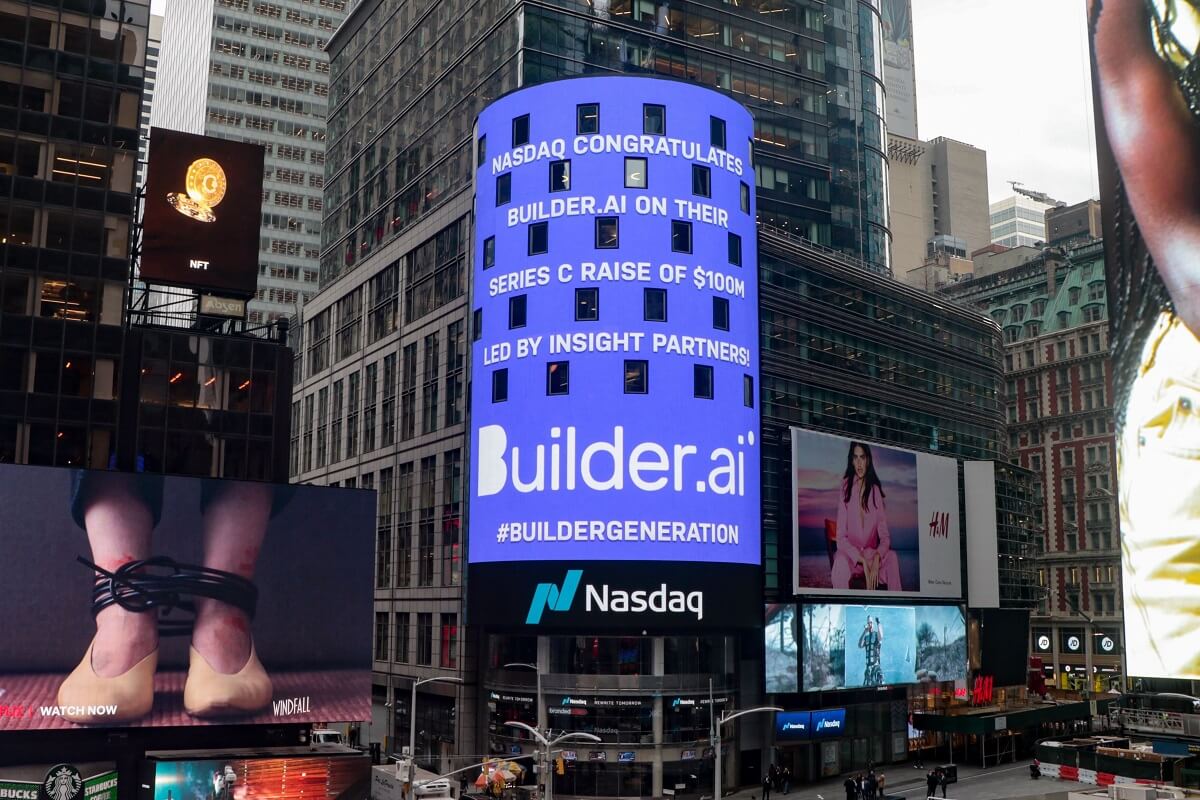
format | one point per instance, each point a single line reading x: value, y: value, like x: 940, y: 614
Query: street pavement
x: 994, y: 783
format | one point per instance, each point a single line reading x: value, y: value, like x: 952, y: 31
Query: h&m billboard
x: 873, y: 520
x: 149, y: 600
x: 615, y: 423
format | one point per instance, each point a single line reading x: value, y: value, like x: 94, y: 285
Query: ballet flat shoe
x: 87, y: 698
x: 209, y: 693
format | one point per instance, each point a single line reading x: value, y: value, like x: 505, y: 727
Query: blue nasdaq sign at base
x: 793, y: 726
x: 615, y: 418
x: 829, y: 723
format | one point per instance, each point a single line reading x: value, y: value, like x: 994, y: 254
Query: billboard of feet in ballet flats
x: 149, y: 600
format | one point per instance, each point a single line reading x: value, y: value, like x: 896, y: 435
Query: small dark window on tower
x: 503, y: 188
x: 520, y: 130
x: 702, y: 381
x: 681, y: 236
x: 516, y: 311
x: 587, y: 118
x: 654, y: 305
x: 606, y: 233
x: 500, y: 385
x: 716, y: 129
x: 701, y: 181
x: 558, y: 374
x: 654, y: 120
x: 539, y: 238
x: 637, y: 377
x: 560, y: 175
x: 587, y: 304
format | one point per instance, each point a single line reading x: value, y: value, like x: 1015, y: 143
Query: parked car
x: 321, y: 736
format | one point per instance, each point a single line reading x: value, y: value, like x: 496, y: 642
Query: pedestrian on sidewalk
x: 872, y: 785
x: 931, y: 783
x: 767, y: 788
x: 879, y: 781
x: 943, y: 781
x: 851, y: 787
x: 785, y: 775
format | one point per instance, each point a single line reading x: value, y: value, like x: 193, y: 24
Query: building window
x: 681, y: 236
x: 702, y: 381
x: 500, y: 385
x: 587, y: 118
x: 489, y: 252
x: 637, y: 377
x: 701, y: 181
x: 587, y: 304
x: 654, y: 120
x: 381, y: 636
x: 716, y: 130
x: 516, y: 311
x: 745, y: 197
x: 748, y: 391
x: 477, y: 324
x: 560, y: 175
x: 503, y: 188
x: 558, y: 374
x: 654, y: 305
x: 539, y: 238
x: 449, y: 641
x: 721, y: 313
x: 635, y: 173
x: 735, y: 249
x: 606, y: 233
x: 424, y: 639
x: 481, y: 156
x: 402, y: 638
x: 520, y: 130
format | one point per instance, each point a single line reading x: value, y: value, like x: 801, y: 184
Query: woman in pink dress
x: 864, y: 543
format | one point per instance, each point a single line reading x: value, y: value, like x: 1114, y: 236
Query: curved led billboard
x: 614, y: 411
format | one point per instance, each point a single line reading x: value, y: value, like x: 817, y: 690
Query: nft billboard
x: 202, y: 212
x: 145, y: 600
x: 1148, y: 142
x: 615, y: 421
x: 873, y: 520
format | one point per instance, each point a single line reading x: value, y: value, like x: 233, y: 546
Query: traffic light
x: 559, y: 767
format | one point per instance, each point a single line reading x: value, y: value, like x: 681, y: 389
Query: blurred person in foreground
x: 1148, y: 85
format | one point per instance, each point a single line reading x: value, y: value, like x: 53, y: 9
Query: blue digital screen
x: 791, y: 726
x: 829, y: 724
x: 615, y: 368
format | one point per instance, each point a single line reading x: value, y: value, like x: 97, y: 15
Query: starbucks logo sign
x: 63, y: 782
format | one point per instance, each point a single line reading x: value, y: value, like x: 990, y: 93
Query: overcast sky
x: 1011, y: 77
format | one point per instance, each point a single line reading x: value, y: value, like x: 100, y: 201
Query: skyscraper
x: 384, y: 349
x: 257, y: 71
x: 938, y: 189
x: 68, y: 158
x: 1020, y: 220
x: 152, y: 48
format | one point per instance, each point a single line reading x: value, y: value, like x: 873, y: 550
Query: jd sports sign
x: 615, y: 595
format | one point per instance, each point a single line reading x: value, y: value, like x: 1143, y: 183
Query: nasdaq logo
x: 555, y: 598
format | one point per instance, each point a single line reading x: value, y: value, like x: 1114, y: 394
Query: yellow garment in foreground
x: 1158, y: 482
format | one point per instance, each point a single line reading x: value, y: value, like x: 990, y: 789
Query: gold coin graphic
x: 206, y: 182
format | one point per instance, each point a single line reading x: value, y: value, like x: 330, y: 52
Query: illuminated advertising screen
x: 1148, y: 142
x: 873, y: 520
x: 202, y: 212
x: 852, y: 646
x: 340, y: 776
x: 148, y: 600
x: 793, y: 726
x: 63, y: 781
x: 615, y: 416
x: 781, y: 648
x: 829, y: 723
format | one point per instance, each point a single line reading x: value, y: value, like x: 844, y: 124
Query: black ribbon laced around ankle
x: 163, y: 585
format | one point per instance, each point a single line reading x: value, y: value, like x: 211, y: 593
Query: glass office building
x: 381, y: 357
x: 71, y: 80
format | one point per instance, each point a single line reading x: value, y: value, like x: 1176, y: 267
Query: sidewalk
x: 902, y: 779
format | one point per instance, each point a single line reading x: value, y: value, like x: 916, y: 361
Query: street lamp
x: 547, y: 746
x: 715, y: 724
x: 538, y: 708
x: 412, y: 719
